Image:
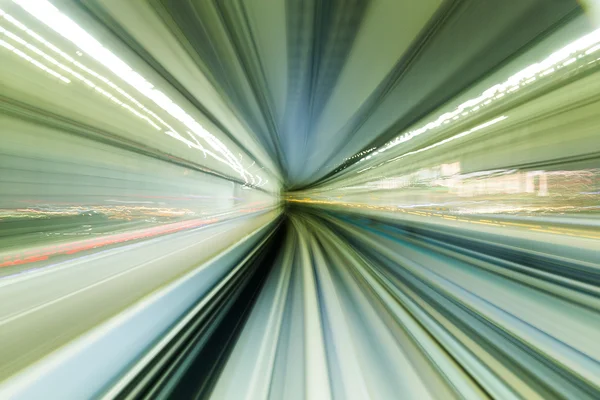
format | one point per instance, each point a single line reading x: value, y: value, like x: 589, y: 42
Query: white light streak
x: 34, y: 62
x: 68, y: 70
x: 592, y: 50
x: 47, y: 13
x: 450, y: 139
x: 561, y: 58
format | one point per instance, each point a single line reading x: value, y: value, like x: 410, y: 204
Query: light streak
x: 48, y: 14
x: 458, y: 136
x: 561, y: 58
x: 38, y: 64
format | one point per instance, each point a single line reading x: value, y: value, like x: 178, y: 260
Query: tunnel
x: 300, y: 199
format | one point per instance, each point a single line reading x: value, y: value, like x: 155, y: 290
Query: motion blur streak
x: 345, y: 199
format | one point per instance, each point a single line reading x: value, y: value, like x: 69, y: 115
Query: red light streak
x: 46, y: 252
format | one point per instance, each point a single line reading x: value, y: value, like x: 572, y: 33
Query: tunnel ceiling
x: 316, y: 82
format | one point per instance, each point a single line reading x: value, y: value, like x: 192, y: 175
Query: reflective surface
x: 299, y: 199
